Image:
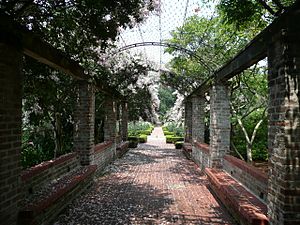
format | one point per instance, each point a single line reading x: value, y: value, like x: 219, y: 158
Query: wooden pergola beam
x: 252, y: 53
x: 36, y: 48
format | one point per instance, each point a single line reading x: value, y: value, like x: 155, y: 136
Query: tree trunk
x: 249, y: 152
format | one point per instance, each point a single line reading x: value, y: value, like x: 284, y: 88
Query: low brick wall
x: 200, y: 154
x: 104, y: 153
x: 37, y: 176
x: 248, y: 175
x: 122, y: 148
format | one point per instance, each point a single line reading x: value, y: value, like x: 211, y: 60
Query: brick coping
x: 244, y: 206
x: 40, y: 206
x: 35, y: 170
x: 123, y: 145
x: 202, y: 146
x: 102, y: 146
x: 254, y: 172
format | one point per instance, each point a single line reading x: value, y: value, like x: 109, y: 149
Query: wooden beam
x: 253, y: 52
x: 36, y: 48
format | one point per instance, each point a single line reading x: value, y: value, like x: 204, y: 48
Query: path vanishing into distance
x: 152, y: 184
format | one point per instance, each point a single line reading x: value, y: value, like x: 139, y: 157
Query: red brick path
x: 153, y: 184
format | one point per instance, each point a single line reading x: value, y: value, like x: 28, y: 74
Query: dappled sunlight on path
x: 153, y: 184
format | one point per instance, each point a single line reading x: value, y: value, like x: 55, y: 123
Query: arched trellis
x: 165, y: 44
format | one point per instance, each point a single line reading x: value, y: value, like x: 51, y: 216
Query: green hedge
x: 173, y: 139
x: 178, y: 144
x: 133, y: 141
x: 169, y: 133
x: 143, y: 138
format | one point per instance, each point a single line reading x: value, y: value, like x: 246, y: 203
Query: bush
x: 138, y: 128
x: 143, y: 138
x: 178, y: 144
x: 146, y: 132
x: 168, y: 133
x: 176, y: 128
x: 173, y: 139
x: 133, y: 144
x: 133, y: 141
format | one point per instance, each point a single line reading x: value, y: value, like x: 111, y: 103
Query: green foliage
x: 140, y: 105
x: 77, y: 27
x: 143, y: 138
x: 175, y: 129
x: 249, y: 99
x: 168, y: 133
x: 179, y: 144
x: 260, y: 148
x: 167, y: 100
x: 173, y: 139
x: 212, y: 40
x: 48, y: 106
x: 136, y: 128
x: 242, y: 13
x: 133, y: 141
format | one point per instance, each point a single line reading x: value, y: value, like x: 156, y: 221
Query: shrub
x: 178, y: 144
x: 138, y: 128
x: 168, y: 133
x: 146, y: 132
x: 173, y: 139
x: 143, y: 138
x: 133, y: 141
x: 133, y: 144
x: 176, y: 128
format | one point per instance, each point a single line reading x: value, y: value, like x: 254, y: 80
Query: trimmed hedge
x: 143, y: 138
x: 169, y: 133
x: 179, y: 144
x: 133, y: 141
x: 173, y: 139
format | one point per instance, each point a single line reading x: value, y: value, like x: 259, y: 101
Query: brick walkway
x: 153, y: 184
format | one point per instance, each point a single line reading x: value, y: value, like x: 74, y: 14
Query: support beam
x: 10, y: 132
x: 284, y: 126
x: 85, y: 122
x: 219, y: 124
x: 36, y: 48
x: 255, y: 51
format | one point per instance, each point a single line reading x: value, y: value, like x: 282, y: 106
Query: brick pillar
x: 188, y: 121
x: 284, y: 126
x: 219, y: 124
x: 110, y: 120
x: 10, y: 132
x: 124, y: 122
x: 198, y: 114
x: 84, y: 122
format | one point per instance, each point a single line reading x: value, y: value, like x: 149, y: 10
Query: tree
x: 249, y: 96
x: 48, y: 105
x: 212, y: 40
x: 216, y: 42
x: 245, y: 14
x: 167, y: 99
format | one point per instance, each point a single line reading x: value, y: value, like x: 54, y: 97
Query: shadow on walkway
x: 117, y: 201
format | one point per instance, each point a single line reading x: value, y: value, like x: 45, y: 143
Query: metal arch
x: 164, y: 44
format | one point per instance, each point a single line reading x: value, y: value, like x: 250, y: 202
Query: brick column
x: 198, y: 114
x: 84, y: 122
x: 110, y: 120
x: 10, y: 132
x: 124, y: 122
x: 284, y: 126
x: 188, y: 121
x: 219, y: 124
